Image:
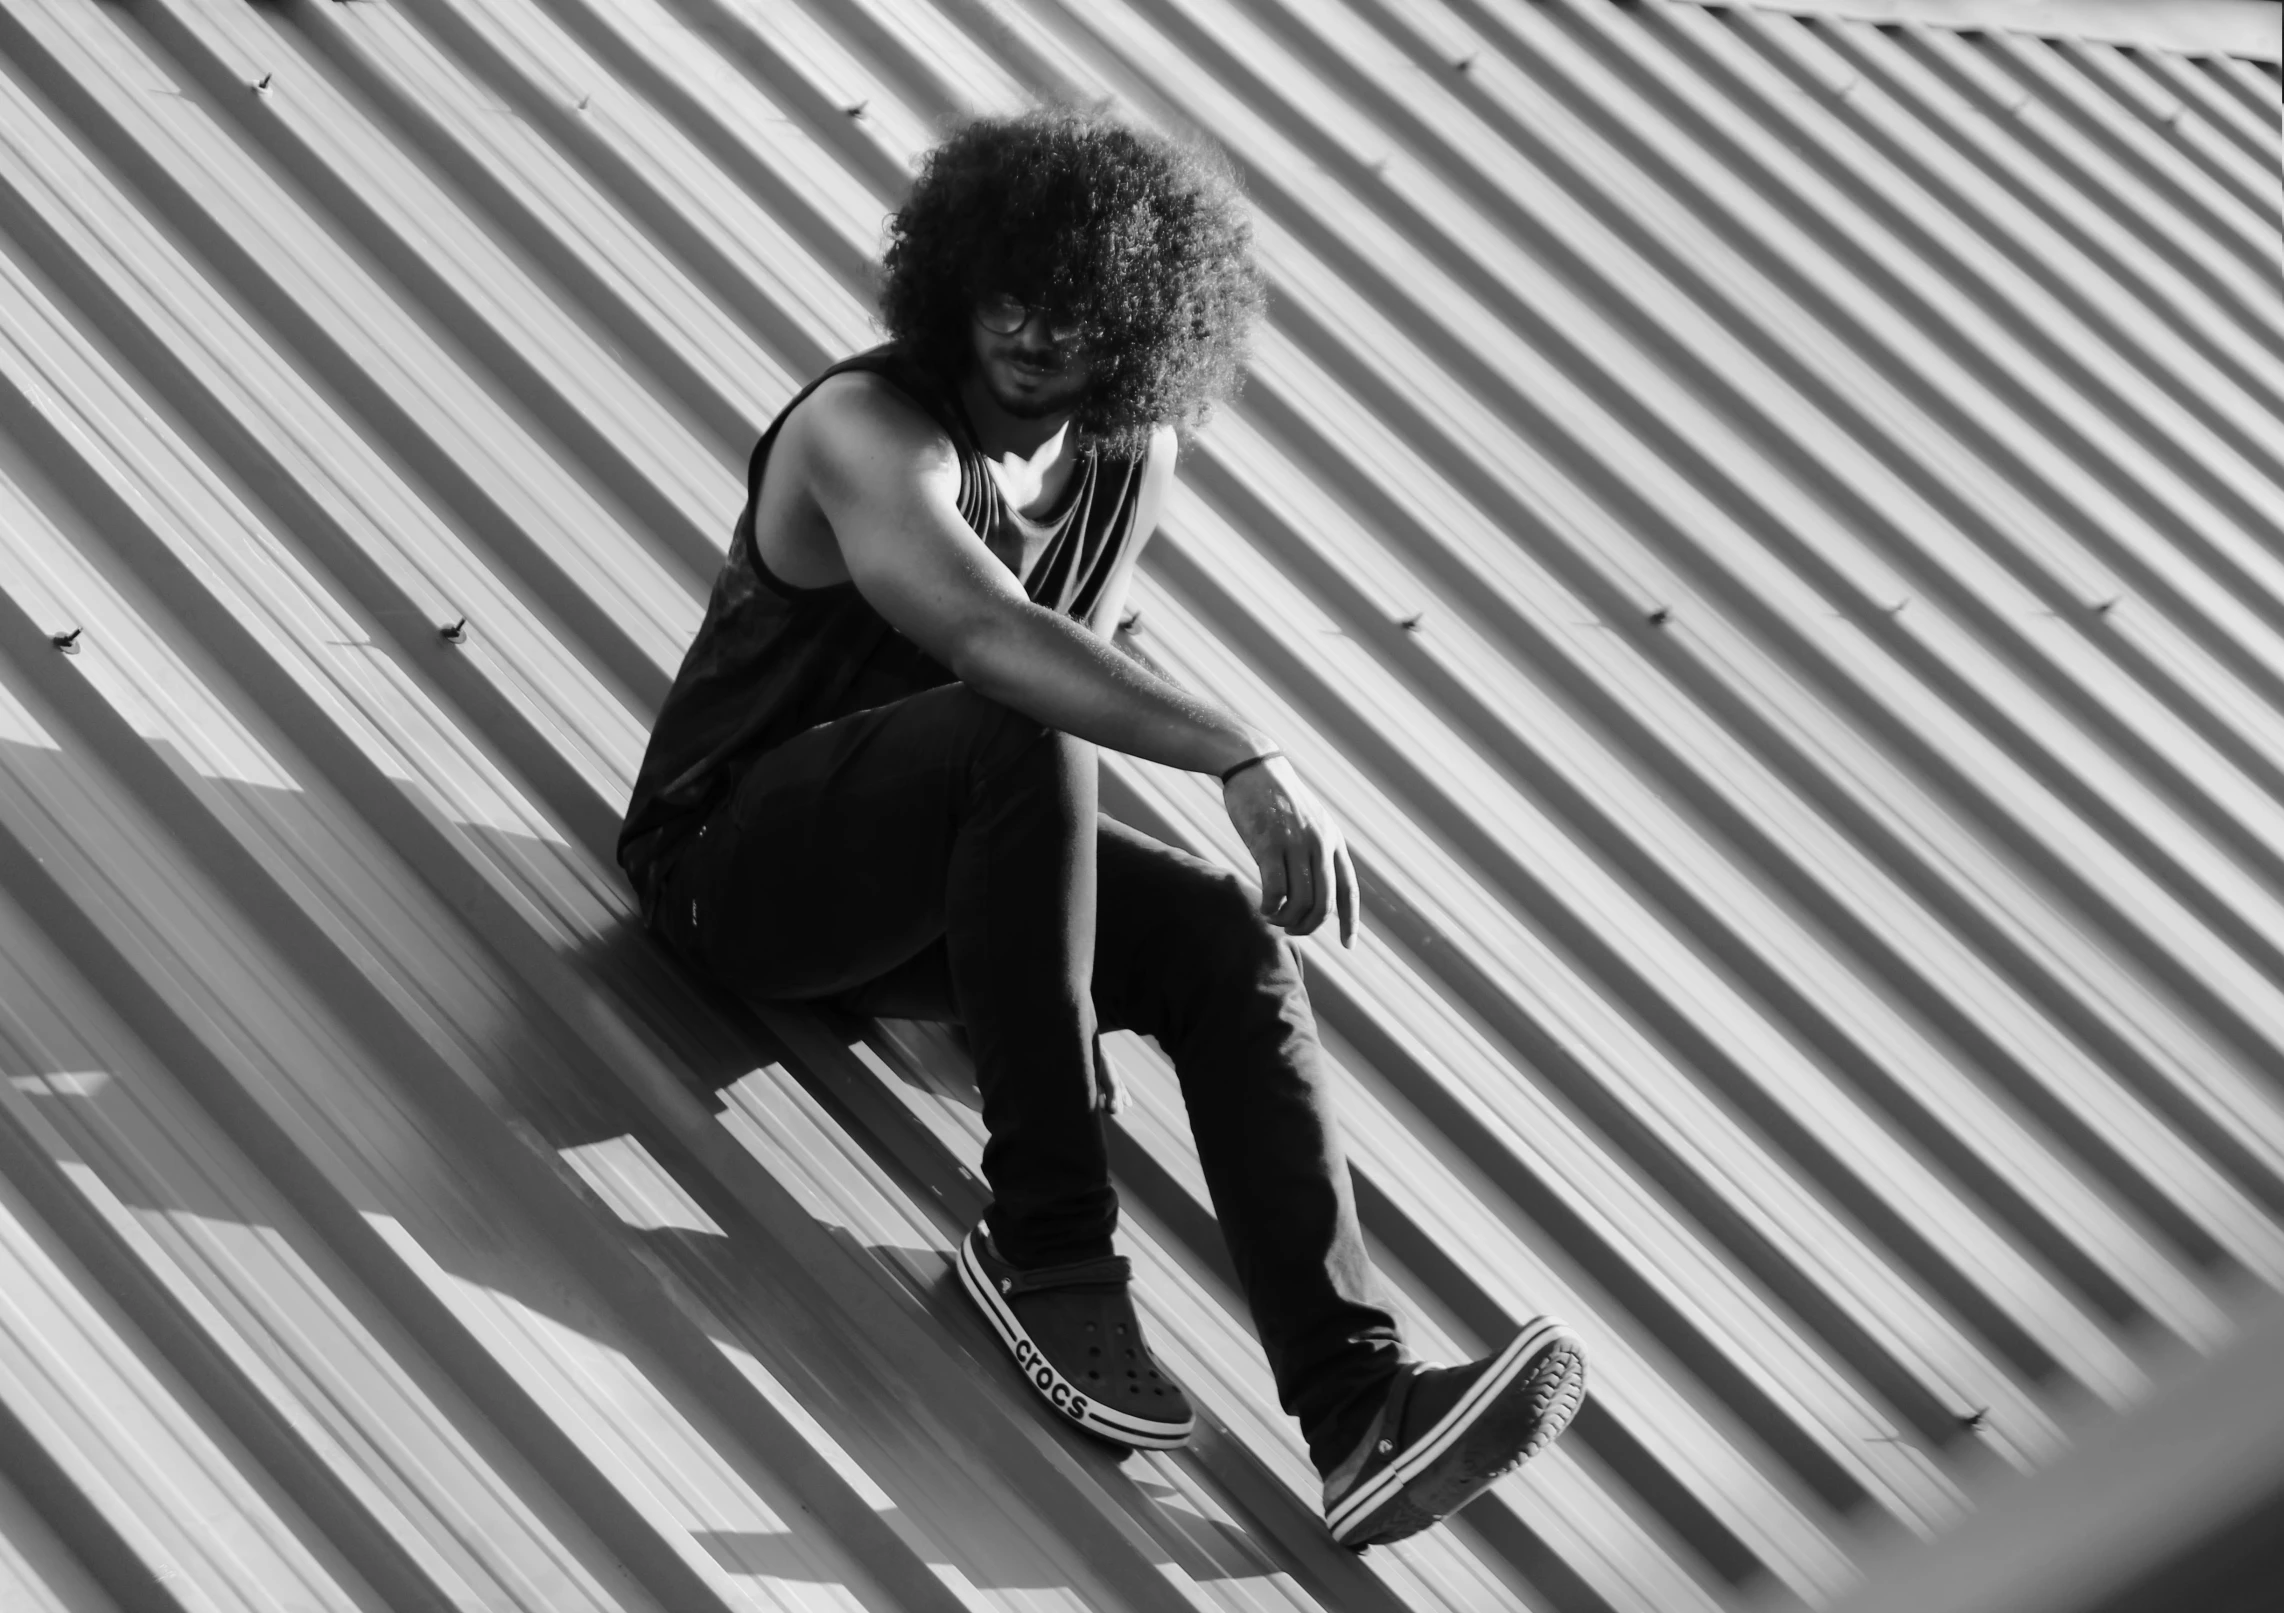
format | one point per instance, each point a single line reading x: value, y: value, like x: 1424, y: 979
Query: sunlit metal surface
x: 2245, y: 28
x: 1769, y: 531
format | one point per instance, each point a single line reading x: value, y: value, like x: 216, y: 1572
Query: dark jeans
x: 942, y: 857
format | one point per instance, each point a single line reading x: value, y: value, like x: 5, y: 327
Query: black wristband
x: 1248, y: 762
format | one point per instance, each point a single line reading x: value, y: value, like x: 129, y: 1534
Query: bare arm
x: 888, y: 484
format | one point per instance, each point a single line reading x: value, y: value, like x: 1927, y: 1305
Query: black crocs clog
x: 1073, y: 1333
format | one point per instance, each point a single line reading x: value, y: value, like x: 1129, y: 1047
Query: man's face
x: 1031, y: 360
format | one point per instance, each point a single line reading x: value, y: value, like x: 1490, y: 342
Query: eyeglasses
x: 1004, y: 314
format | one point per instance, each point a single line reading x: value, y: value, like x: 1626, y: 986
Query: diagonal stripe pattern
x: 1764, y: 528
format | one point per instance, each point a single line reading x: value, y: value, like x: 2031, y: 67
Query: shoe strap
x: 1400, y: 1400
x: 1387, y: 1425
x: 1109, y: 1272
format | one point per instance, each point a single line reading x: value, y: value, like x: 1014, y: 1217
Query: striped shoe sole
x: 1508, y: 1415
x: 1120, y: 1428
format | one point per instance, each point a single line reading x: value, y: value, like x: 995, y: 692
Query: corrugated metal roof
x: 1765, y: 529
x: 2243, y: 28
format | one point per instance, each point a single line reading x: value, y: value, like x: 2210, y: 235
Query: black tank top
x: 771, y: 660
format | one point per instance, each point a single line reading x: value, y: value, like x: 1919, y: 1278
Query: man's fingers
x: 1350, y: 894
x: 1273, y: 884
x: 1308, y: 874
x: 1322, y: 845
x: 1109, y: 1091
x: 1296, y: 871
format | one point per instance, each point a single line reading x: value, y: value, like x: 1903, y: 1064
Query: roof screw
x: 263, y: 88
x: 1896, y: 609
x: 1411, y: 623
x: 856, y: 111
x: 67, y: 642
x: 1977, y: 1420
x: 454, y: 633
x: 1662, y: 615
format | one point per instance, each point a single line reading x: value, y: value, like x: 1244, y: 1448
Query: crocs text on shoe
x: 1074, y: 1334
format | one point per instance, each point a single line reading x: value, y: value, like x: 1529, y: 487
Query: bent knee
x: 1232, y: 937
x: 1001, y: 739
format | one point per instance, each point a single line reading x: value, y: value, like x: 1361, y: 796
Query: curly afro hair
x: 1143, y: 240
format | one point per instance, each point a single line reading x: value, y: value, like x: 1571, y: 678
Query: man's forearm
x: 1054, y: 670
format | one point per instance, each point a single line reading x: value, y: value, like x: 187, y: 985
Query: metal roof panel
x: 1764, y: 526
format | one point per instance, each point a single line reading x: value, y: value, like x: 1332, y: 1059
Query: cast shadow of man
x: 902, y: 1028
x: 716, y: 1036
x: 906, y: 1023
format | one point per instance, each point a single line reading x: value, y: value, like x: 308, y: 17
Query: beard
x: 1055, y: 392
x: 1038, y: 407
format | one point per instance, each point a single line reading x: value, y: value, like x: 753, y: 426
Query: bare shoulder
x: 860, y: 425
x: 1158, y: 465
x: 1164, y: 453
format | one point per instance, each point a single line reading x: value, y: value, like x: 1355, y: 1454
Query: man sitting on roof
x: 873, y: 783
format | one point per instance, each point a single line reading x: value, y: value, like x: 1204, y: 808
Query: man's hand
x: 1109, y: 1091
x: 1306, y: 872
